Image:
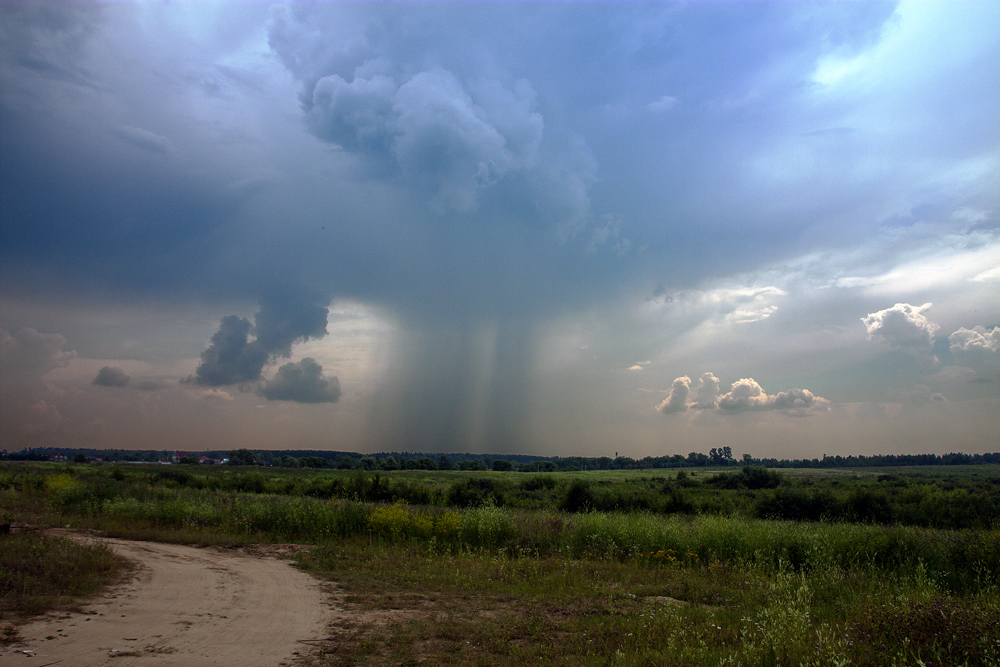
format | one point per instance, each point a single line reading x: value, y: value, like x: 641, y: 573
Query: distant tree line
x: 716, y: 457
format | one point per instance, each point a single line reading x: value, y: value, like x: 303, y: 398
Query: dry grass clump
x: 39, y: 572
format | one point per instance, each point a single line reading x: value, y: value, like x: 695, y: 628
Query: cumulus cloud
x: 232, y: 358
x: 676, y: 400
x: 707, y: 392
x: 303, y: 383
x: 976, y: 347
x: 112, y: 376
x: 744, y: 394
x: 451, y: 138
x: 902, y: 325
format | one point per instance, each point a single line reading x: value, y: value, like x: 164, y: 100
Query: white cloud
x: 977, y: 347
x: 740, y: 305
x: 676, y: 400
x: 744, y: 395
x: 707, y: 392
x: 989, y: 274
x: 747, y: 394
x: 902, y: 325
x: 947, y: 267
x: 215, y: 395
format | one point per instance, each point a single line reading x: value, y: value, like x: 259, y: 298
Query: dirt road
x: 186, y: 606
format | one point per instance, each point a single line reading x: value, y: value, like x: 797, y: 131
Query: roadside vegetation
x: 39, y: 573
x: 744, y: 566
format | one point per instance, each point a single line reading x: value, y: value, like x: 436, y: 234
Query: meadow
x: 741, y: 566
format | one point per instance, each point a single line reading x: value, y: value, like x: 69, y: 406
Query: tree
x: 502, y: 466
x: 721, y: 456
x: 697, y: 459
x: 444, y: 463
x: 242, y: 457
x: 80, y: 458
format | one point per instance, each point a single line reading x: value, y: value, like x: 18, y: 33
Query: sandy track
x: 186, y: 606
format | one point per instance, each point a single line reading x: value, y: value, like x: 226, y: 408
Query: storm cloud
x: 232, y: 357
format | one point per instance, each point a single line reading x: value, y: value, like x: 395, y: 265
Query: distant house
x: 60, y: 458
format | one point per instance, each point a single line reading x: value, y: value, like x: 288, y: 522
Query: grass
x: 39, y: 573
x: 407, y: 604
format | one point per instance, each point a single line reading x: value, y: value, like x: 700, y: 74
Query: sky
x: 553, y: 228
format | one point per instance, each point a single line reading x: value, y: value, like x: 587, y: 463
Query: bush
x: 751, y: 477
x: 578, y: 498
x: 797, y: 505
x: 538, y: 483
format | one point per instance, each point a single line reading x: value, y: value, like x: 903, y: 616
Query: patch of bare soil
x: 188, y: 606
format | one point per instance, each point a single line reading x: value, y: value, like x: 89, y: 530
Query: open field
x: 504, y: 568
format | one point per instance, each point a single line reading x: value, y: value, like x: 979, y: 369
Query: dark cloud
x: 451, y: 136
x: 303, y: 383
x: 287, y: 318
x: 112, y: 376
x: 232, y: 357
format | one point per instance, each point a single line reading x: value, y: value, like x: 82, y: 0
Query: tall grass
x: 39, y: 572
x: 957, y: 560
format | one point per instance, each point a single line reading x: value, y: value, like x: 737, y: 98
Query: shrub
x: 578, y: 498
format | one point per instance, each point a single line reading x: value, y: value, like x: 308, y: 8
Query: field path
x: 185, y: 606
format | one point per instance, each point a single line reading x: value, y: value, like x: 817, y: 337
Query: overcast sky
x: 544, y: 228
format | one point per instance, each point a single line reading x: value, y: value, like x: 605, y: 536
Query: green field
x: 736, y: 566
